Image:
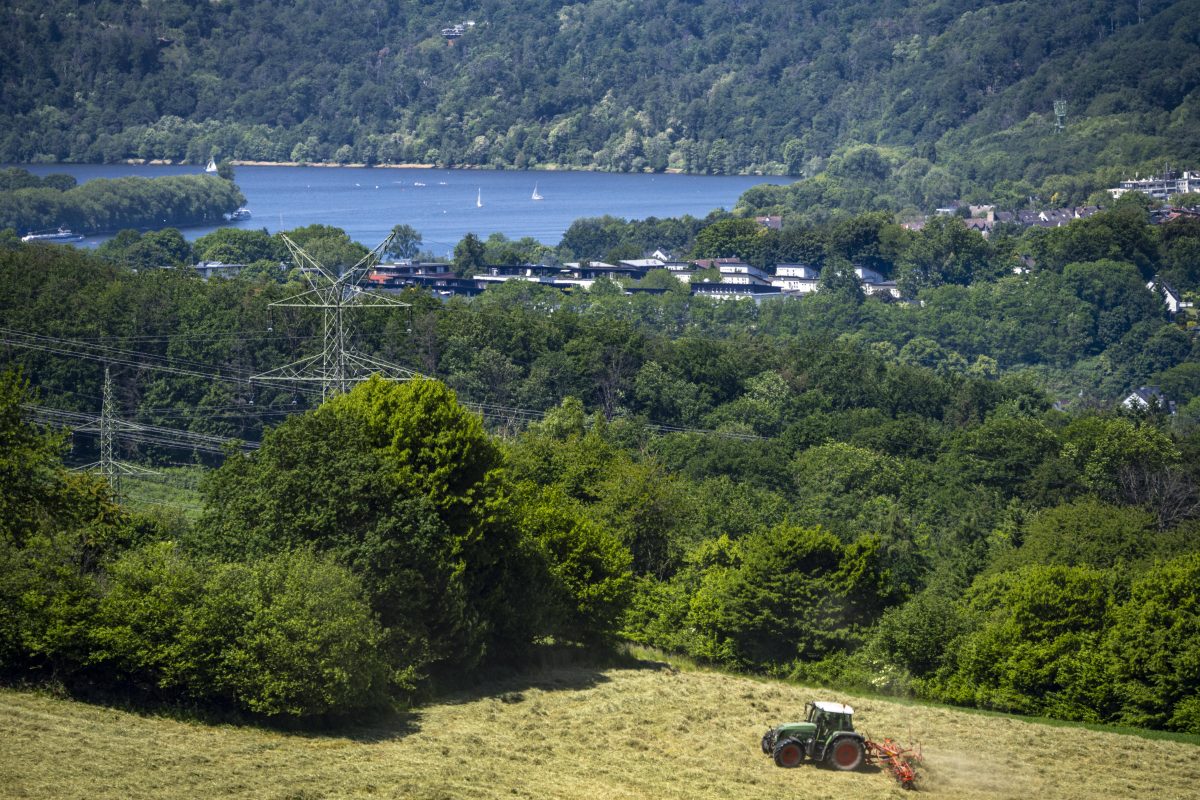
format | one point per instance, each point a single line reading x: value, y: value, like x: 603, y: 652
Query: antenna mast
x: 337, y: 365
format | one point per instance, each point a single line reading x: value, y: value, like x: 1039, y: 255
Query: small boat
x: 60, y: 235
x: 212, y: 166
x: 479, y: 199
x: 536, y: 196
x: 417, y: 183
x: 241, y: 213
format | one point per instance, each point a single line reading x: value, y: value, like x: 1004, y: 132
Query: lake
x: 444, y: 205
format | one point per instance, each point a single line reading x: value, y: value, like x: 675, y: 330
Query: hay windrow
x: 570, y: 733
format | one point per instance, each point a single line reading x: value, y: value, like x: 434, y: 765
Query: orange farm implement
x: 896, y: 759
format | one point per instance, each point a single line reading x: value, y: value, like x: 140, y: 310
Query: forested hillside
x: 959, y: 94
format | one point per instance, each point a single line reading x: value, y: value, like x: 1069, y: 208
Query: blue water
x: 367, y: 203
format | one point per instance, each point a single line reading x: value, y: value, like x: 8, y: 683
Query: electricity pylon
x: 1060, y: 114
x: 108, y: 466
x: 337, y: 365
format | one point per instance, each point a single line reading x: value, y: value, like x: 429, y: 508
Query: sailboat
x: 212, y: 166
x: 479, y: 198
x: 536, y: 196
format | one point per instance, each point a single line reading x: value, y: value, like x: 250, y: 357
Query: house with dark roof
x: 1170, y: 297
x: 1146, y: 398
x: 874, y: 282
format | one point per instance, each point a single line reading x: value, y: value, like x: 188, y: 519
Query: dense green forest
x: 954, y: 98
x: 29, y: 203
x: 836, y: 489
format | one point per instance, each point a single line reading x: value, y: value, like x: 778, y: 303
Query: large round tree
x: 402, y: 484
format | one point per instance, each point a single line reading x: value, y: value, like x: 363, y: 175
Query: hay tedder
x: 827, y: 736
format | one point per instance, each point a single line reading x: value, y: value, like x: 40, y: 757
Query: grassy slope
x: 570, y: 733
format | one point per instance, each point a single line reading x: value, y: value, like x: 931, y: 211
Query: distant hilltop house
x: 1160, y: 187
x: 1146, y: 398
x: 772, y: 221
x: 1171, y: 298
x: 457, y: 30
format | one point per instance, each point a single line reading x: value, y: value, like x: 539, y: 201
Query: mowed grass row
x: 649, y: 732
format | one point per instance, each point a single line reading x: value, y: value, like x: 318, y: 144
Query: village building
x: 1160, y: 187
x: 796, y: 278
x: 874, y: 283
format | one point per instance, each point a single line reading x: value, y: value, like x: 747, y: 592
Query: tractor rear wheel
x: 846, y: 754
x: 788, y: 753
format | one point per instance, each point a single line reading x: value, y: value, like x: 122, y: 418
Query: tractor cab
x: 828, y: 718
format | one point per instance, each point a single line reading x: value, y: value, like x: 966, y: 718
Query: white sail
x: 479, y: 199
x: 536, y: 196
x: 212, y: 166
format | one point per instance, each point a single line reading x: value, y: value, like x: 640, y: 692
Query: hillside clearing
x: 569, y: 733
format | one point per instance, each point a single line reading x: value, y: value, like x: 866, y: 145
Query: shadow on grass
x: 376, y: 725
x: 547, y: 668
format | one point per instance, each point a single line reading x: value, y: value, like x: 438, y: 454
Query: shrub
x: 290, y: 635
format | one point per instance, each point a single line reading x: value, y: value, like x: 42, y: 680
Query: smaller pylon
x: 1060, y: 114
x: 108, y: 413
x: 108, y: 466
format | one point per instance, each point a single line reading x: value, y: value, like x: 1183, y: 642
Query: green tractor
x: 826, y: 736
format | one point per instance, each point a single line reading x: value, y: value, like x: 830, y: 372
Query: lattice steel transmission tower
x: 1060, y: 114
x: 108, y: 465
x: 337, y: 365
x: 108, y: 413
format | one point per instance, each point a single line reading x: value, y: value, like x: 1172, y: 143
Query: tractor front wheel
x: 847, y: 754
x: 788, y: 753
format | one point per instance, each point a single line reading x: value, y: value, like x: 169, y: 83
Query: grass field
x: 640, y: 732
x: 171, y: 490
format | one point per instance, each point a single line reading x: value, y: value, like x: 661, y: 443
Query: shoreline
x: 166, y: 162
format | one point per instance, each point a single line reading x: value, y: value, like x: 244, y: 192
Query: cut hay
x: 570, y: 733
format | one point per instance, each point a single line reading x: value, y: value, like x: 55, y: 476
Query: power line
x: 82, y: 422
x: 301, y: 383
x: 107, y: 354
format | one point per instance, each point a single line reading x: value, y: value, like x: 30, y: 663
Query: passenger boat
x: 60, y: 235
